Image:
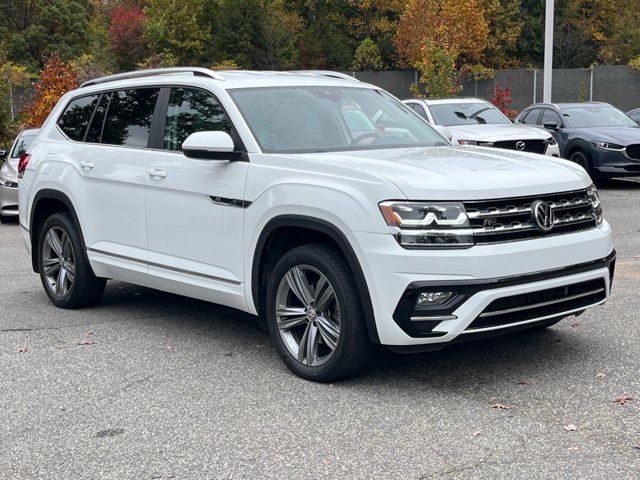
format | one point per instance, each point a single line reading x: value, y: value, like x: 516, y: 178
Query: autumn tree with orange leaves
x: 56, y: 78
x: 437, y: 37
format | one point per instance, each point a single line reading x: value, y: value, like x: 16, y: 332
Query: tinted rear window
x: 94, y: 135
x: 129, y: 116
x: 76, y: 117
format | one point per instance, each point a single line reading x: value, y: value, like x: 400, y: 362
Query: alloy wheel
x: 308, y: 315
x: 58, y: 262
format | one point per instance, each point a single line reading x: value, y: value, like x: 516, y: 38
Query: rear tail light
x: 22, y: 164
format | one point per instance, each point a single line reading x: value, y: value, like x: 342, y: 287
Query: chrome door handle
x: 87, y: 165
x: 157, y: 173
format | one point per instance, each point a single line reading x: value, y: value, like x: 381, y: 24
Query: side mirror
x: 444, y: 131
x: 552, y: 126
x: 211, y: 146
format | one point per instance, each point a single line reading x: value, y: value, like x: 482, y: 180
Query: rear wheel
x: 315, y: 317
x: 63, y: 265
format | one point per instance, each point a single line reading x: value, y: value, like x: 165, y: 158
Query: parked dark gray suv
x: 599, y: 137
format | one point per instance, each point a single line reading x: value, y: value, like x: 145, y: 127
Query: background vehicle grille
x: 509, y: 220
x: 533, y: 146
x: 543, y: 303
x: 633, y: 151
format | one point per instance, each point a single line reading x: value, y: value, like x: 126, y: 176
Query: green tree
x: 367, y: 57
x: 30, y: 30
x: 237, y: 32
x: 177, y: 28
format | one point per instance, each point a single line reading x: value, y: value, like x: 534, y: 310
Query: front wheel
x: 64, y: 267
x: 315, y: 316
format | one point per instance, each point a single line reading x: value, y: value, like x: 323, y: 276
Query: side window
x: 551, y: 116
x: 189, y: 111
x: 129, y: 117
x: 73, y: 122
x: 421, y: 111
x: 531, y: 117
x: 94, y: 134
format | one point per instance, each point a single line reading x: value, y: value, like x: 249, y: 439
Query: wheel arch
x: 325, y: 229
x: 45, y: 203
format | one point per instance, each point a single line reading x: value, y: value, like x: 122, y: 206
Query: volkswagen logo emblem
x: 543, y: 215
x: 520, y: 145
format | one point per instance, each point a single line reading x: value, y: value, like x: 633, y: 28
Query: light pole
x: 548, y: 51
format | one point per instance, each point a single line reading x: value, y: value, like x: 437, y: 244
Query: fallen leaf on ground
x: 600, y: 375
x: 637, y: 446
x: 476, y: 433
x: 326, y: 461
x: 500, y: 406
x: 523, y: 382
x: 575, y: 325
x: 570, y: 427
x: 623, y: 399
x: 169, y: 347
x: 22, y: 349
x: 87, y: 341
x: 227, y: 354
x: 573, y: 449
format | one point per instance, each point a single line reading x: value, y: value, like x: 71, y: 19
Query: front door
x: 195, y: 208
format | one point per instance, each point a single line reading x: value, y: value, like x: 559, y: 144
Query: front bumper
x: 614, y: 164
x: 8, y: 201
x: 486, y: 273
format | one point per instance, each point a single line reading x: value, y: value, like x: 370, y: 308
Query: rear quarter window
x: 76, y: 117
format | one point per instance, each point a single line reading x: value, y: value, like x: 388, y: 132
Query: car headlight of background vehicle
x: 428, y: 224
x: 594, y: 198
x: 609, y: 146
x: 7, y: 183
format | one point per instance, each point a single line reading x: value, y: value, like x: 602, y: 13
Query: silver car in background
x: 9, y: 174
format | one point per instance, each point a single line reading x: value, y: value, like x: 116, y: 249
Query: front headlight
x: 609, y: 146
x: 467, y: 142
x: 552, y: 141
x: 594, y: 198
x: 428, y: 224
x: 7, y: 183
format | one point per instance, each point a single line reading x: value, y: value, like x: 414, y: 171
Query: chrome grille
x: 511, y: 219
x: 548, y: 303
x: 533, y: 146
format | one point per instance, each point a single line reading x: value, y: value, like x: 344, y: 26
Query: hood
x: 9, y: 169
x: 621, y: 135
x: 494, y: 133
x: 462, y: 173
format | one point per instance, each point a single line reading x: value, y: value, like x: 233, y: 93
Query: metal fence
x: 616, y: 84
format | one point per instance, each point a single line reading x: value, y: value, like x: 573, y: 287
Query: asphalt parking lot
x: 152, y: 385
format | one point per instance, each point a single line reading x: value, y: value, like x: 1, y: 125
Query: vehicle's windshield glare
x: 583, y: 117
x: 21, y: 145
x: 324, y: 119
x: 472, y: 113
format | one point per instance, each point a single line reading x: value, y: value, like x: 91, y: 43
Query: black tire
x: 354, y: 351
x: 86, y: 289
x: 582, y: 158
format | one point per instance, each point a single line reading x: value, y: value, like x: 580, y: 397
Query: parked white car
x: 322, y: 204
x: 473, y: 121
x: 9, y: 174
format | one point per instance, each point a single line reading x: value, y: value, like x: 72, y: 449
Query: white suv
x: 322, y: 204
x: 473, y: 121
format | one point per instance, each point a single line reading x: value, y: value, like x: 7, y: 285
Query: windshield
x: 328, y: 119
x: 21, y: 145
x: 596, y: 116
x: 472, y: 113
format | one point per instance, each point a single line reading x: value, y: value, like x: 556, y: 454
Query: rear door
x: 195, y: 208
x: 113, y: 166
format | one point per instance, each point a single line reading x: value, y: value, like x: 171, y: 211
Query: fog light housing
x: 434, y: 299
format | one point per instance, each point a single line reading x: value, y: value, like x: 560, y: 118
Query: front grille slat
x: 507, y: 220
x: 541, y: 304
x: 633, y: 151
